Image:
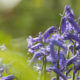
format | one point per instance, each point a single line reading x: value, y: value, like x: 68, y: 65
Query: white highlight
x: 6, y: 5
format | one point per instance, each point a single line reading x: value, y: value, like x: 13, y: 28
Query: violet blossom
x: 54, y: 45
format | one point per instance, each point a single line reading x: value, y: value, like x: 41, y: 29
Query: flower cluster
x: 59, y: 46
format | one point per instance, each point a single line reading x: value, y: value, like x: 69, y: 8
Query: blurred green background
x: 21, y: 18
x: 26, y: 16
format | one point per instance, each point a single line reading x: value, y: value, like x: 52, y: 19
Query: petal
x: 63, y: 25
x: 72, y: 59
x: 37, y: 55
x: 57, y: 71
x: 37, y: 46
x: 69, y: 11
x: 48, y: 32
x: 10, y: 77
x: 74, y: 24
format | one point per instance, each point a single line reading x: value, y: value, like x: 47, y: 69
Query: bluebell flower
x: 36, y: 46
x: 48, y: 43
x: 63, y: 25
x: 69, y: 27
x: 29, y: 40
x: 71, y: 49
x: 58, y: 43
x: 72, y: 60
x: 32, y: 40
x: 62, y: 60
x: 56, y: 36
x: 53, y: 78
x: 77, y: 65
x: 47, y: 33
x: 78, y: 78
x: 78, y: 47
x: 1, y: 71
x: 68, y: 71
x: 38, y: 54
x: 56, y: 79
x: 74, y: 24
x: 57, y: 71
x: 69, y: 12
x: 47, y: 48
x: 37, y: 39
x: 54, y: 42
x: 76, y: 61
x: 9, y: 77
x: 52, y: 51
x: 72, y: 37
x: 31, y: 50
x: 79, y: 18
x: 53, y: 60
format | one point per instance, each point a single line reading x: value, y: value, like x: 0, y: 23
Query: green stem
x: 74, y: 66
x: 77, y: 75
x: 57, y: 77
x: 45, y: 67
x: 74, y: 75
x: 74, y: 49
x: 61, y: 22
x: 41, y: 71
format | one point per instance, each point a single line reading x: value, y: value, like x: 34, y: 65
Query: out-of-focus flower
x: 9, y: 77
x: 55, y: 78
x: 7, y: 5
x: 3, y: 47
x: 29, y: 40
x: 2, y: 69
x: 79, y: 18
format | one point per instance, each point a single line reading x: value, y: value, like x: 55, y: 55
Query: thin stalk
x: 74, y: 66
x: 45, y: 67
x: 74, y: 49
x: 57, y: 77
x: 73, y: 76
x: 77, y: 75
x: 67, y: 58
x: 61, y: 22
x: 42, y: 66
x: 68, y: 53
